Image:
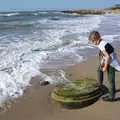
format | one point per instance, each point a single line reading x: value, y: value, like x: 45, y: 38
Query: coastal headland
x: 111, y: 10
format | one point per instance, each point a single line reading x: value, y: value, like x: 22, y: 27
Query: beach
x: 36, y: 102
x: 44, y: 49
x: 51, y: 46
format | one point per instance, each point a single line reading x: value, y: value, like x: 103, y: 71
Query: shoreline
x: 94, y: 12
x: 36, y: 102
x: 112, y: 10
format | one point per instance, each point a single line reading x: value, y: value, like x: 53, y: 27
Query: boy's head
x: 95, y: 37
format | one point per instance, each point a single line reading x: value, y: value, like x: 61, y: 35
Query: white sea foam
x: 10, y: 14
x: 110, y: 38
x: 42, y: 21
x: 43, y: 12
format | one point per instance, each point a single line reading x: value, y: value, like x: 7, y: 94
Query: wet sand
x: 36, y: 103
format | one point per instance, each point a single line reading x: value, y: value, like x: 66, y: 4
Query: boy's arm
x: 107, y: 58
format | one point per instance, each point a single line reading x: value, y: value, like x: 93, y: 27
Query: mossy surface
x: 75, y: 89
x: 77, y: 94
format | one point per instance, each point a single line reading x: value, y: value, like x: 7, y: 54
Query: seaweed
x: 75, y: 89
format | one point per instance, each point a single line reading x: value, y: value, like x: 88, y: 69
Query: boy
x: 108, y: 63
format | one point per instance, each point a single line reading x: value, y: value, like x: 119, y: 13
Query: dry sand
x: 36, y: 103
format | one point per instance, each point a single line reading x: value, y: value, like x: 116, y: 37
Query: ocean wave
x: 19, y: 64
x: 22, y: 25
x: 9, y: 14
x: 19, y: 24
x: 55, y: 18
x: 43, y: 12
x: 13, y: 24
x: 22, y: 13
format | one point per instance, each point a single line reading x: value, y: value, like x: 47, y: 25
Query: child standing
x: 109, y: 63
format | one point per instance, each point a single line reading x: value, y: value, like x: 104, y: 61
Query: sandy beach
x: 36, y: 103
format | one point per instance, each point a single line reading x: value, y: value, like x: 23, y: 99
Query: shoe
x: 43, y: 83
x: 107, y: 99
x: 104, y: 89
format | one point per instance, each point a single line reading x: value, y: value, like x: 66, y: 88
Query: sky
x: 12, y: 5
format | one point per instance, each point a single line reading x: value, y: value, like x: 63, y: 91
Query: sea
x: 31, y: 41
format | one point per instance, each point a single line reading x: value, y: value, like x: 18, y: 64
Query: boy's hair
x: 94, y: 35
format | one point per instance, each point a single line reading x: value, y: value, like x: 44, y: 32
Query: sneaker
x: 104, y: 89
x: 107, y: 99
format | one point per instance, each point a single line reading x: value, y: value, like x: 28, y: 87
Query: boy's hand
x: 107, y: 58
x: 104, y: 69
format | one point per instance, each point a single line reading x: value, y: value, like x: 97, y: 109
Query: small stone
x: 43, y: 83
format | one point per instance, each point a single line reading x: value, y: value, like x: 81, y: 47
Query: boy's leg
x: 100, y: 76
x: 111, y: 80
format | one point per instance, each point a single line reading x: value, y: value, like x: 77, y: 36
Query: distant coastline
x: 112, y: 10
